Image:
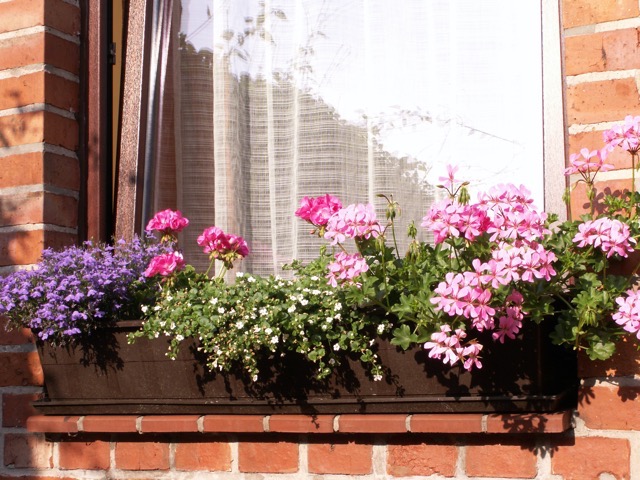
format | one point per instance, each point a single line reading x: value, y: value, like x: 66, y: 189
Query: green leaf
x: 403, y: 337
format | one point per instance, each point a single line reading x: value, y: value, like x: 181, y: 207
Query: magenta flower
x: 354, y: 221
x: 346, y: 268
x: 168, y: 222
x: 165, y: 264
x: 217, y: 243
x: 318, y: 210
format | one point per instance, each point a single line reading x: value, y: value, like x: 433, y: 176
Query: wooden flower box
x: 107, y: 375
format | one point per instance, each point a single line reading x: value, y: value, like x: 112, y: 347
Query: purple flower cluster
x: 74, y: 290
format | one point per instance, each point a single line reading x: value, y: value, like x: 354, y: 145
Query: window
x: 234, y: 110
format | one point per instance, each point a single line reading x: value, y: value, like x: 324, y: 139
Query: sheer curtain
x: 268, y: 101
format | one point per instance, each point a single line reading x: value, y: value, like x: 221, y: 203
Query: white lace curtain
x: 267, y: 101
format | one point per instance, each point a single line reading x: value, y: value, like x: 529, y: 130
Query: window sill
x: 347, y: 423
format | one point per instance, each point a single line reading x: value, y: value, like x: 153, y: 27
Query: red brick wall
x: 39, y: 181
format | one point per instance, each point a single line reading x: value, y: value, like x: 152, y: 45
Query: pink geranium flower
x: 625, y: 136
x: 628, y: 314
x: 354, y: 221
x: 346, y: 268
x: 169, y: 222
x: 609, y: 235
x: 165, y: 264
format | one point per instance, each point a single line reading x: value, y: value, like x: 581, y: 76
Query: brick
x: 169, y: 423
x: 91, y: 455
x: 391, y: 423
x: 39, y: 87
x: 16, y: 408
x: 421, y: 460
x: 27, y: 451
x: 197, y: 456
x: 587, y: 12
x: 24, y: 248
x: 592, y: 458
x: 598, y: 52
x: 580, y: 204
x: 340, y: 458
x: 39, y: 127
x: 446, y: 423
x: 233, y: 423
x: 109, y: 423
x: 614, y: 407
x: 529, y: 423
x: 13, y: 336
x: 39, y: 207
x: 39, y: 168
x: 268, y: 457
x: 56, y: 14
x: 142, y: 456
x: 602, y: 101
x: 301, y: 423
x: 625, y: 362
x: 502, y: 461
x: 40, y: 48
x: 52, y: 424
x: 593, y: 141
x: 20, y: 368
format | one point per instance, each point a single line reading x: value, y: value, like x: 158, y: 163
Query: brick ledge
x: 346, y: 423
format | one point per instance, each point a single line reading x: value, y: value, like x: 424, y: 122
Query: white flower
x: 329, y: 319
x: 157, y: 307
x: 172, y: 326
x: 315, y: 292
x: 371, y: 342
x: 144, y: 309
x: 304, y: 302
x: 239, y: 324
x: 377, y: 378
x: 221, y: 310
x: 332, y: 361
x: 263, y: 311
x: 338, y: 307
x: 255, y: 378
x: 380, y: 328
x: 274, y: 339
x: 251, y: 279
x: 314, y: 279
x: 179, y: 337
x: 239, y: 274
x: 336, y: 347
x: 213, y: 301
x: 169, y: 298
x: 268, y: 331
x: 291, y: 309
x: 156, y: 335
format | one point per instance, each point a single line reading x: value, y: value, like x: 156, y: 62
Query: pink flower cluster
x: 625, y: 136
x: 318, y: 210
x: 222, y: 245
x: 353, y: 221
x: 510, y: 322
x: 448, y: 348
x: 165, y: 264
x: 588, y: 163
x: 628, y: 314
x: 168, y: 222
x: 505, y: 212
x: 346, y: 268
x: 609, y: 235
